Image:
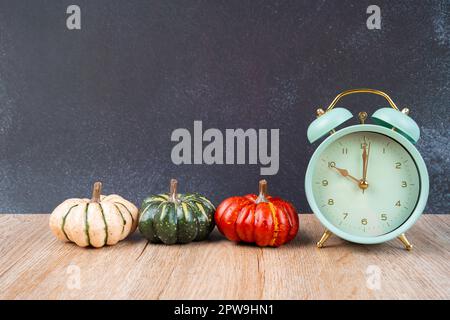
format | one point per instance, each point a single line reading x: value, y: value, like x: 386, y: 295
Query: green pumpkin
x: 176, y: 218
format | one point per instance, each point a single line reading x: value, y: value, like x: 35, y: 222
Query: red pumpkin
x: 260, y: 219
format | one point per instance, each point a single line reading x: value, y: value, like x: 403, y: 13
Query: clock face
x: 366, y: 184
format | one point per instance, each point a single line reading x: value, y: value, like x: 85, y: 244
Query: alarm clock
x: 366, y: 183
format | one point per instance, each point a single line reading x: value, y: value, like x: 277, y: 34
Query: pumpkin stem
x: 262, y: 197
x: 96, y: 192
x: 173, y: 190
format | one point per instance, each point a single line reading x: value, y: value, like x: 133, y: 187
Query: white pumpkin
x: 100, y: 221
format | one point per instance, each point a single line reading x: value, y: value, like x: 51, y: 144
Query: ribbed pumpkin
x: 176, y: 218
x: 100, y: 221
x: 259, y: 219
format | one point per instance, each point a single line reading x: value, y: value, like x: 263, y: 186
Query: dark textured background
x: 101, y: 103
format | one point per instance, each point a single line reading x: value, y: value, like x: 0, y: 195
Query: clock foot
x: 406, y: 243
x: 324, y: 238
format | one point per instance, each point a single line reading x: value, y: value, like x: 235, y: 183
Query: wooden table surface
x: 34, y: 265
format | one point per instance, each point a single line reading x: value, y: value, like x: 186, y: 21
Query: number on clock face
x: 377, y: 205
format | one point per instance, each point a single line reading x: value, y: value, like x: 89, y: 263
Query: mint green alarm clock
x: 366, y: 183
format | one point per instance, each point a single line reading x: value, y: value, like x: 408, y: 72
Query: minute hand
x: 365, y: 158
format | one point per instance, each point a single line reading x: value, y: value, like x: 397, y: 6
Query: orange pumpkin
x: 259, y: 219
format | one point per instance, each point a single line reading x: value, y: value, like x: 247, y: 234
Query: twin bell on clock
x: 366, y: 183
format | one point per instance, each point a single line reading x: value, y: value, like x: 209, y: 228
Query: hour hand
x: 344, y: 173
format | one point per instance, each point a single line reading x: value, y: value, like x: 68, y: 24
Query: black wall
x: 100, y: 103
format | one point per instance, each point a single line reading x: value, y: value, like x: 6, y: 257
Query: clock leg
x: 324, y: 238
x: 406, y: 243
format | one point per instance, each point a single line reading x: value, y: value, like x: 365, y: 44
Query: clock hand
x: 365, y: 156
x: 364, y: 159
x: 344, y: 173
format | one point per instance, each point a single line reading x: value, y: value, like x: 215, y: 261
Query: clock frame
x: 390, y: 122
x: 415, y: 155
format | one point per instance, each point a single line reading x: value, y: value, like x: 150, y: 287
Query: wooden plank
x: 34, y: 265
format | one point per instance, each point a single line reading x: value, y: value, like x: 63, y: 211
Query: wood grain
x: 34, y: 265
